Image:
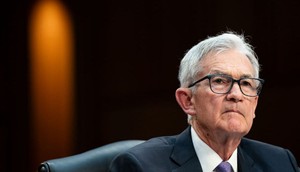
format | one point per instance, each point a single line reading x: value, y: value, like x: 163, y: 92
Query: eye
x: 247, y: 83
x: 220, y: 80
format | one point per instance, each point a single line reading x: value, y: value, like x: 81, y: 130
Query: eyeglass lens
x: 223, y: 84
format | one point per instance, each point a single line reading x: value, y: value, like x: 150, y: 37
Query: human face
x: 224, y: 114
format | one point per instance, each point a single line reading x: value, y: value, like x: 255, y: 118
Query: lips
x: 233, y: 111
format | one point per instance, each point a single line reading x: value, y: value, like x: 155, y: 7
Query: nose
x: 235, y: 93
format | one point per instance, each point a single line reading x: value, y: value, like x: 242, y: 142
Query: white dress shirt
x: 208, y: 158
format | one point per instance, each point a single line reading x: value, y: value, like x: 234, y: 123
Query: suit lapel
x: 184, y: 154
x: 191, y: 165
x: 245, y: 162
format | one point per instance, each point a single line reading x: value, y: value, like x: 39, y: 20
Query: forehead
x: 229, y: 62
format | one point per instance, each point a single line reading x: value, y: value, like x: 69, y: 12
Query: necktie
x: 224, y: 167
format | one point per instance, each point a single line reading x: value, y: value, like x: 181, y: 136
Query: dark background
x: 126, y: 61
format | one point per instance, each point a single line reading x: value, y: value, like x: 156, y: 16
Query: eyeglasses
x: 222, y: 84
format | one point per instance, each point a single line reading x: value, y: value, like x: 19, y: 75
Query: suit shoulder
x: 256, y: 147
x: 267, y: 154
x: 151, y: 153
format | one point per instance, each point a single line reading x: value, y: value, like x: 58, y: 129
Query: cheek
x: 208, y: 106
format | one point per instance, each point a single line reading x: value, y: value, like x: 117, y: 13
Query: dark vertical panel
x: 14, y: 79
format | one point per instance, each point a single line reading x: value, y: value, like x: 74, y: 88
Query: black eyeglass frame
x: 233, y: 81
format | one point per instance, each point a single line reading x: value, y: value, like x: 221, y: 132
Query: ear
x: 184, y: 99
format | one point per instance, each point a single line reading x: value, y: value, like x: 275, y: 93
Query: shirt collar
x: 208, y: 158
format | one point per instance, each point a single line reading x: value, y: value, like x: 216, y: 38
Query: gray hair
x: 190, y: 64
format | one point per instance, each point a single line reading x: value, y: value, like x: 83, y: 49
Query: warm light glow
x: 51, y: 52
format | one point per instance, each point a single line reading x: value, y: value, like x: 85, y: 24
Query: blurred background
x: 76, y: 75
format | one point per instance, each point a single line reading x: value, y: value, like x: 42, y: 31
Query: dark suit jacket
x: 177, y: 154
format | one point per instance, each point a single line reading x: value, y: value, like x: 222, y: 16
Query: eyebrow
x: 223, y: 73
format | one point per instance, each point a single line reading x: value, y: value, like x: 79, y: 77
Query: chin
x: 238, y: 128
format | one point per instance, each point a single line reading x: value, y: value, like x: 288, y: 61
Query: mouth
x: 233, y: 111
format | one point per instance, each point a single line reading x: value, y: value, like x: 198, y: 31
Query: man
x: 219, y: 92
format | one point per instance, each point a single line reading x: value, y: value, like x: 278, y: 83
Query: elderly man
x: 219, y: 92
